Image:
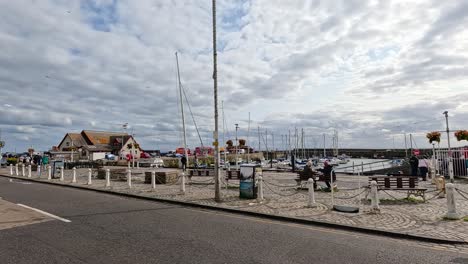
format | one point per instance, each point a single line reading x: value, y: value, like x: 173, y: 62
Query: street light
x: 124, y: 127
x: 450, y: 164
x: 237, y: 143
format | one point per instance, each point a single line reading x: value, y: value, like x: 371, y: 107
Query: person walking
x: 414, y: 163
x: 423, y: 168
x: 183, y: 160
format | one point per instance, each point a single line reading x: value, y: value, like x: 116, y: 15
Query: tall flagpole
x: 215, y: 88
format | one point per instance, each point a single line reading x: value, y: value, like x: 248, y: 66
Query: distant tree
x: 241, y: 142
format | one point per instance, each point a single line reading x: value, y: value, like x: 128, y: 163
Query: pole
x: 248, y: 141
x: 182, y: 108
x: 266, y: 143
x: 324, y: 151
x: 224, y: 133
x: 258, y: 138
x: 450, y: 169
x: 237, y: 143
x: 406, y: 147
x: 215, y: 88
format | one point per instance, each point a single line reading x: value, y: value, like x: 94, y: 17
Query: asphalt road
x: 111, y: 229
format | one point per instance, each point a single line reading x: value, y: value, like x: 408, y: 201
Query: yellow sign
x: 215, y: 143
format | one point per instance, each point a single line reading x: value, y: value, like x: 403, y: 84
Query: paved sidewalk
x: 13, y: 215
x: 282, y: 199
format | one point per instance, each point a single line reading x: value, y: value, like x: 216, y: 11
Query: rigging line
x: 191, y: 113
x: 178, y: 109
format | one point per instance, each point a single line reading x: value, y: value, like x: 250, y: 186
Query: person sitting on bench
x: 308, y: 173
x: 327, y: 173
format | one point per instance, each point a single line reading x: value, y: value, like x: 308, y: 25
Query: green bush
x: 12, y: 161
x: 171, y: 163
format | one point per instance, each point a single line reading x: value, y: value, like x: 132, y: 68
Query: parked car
x: 145, y: 155
x: 110, y: 157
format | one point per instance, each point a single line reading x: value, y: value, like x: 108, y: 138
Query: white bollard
x: 23, y: 173
x: 49, y: 173
x: 451, y: 207
x: 16, y: 169
x: 74, y: 175
x: 311, y: 202
x: 441, y: 186
x: 39, y: 170
x: 153, y: 179
x: 182, y: 183
x: 260, y: 187
x: 11, y: 169
x: 128, y: 163
x: 374, y: 197
x: 61, y: 173
x: 90, y: 174
x: 138, y: 164
x: 129, y: 178
x: 29, y: 171
x: 107, y: 177
x: 450, y: 168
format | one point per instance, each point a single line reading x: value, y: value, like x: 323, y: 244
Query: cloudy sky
x: 372, y: 70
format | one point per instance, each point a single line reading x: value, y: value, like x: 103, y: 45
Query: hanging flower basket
x: 461, y: 135
x: 433, y: 136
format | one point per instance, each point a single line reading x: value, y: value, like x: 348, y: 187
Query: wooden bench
x: 232, y: 175
x: 302, y: 178
x: 399, y: 183
x: 200, y: 173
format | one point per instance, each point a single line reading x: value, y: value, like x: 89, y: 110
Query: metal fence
x: 459, y: 160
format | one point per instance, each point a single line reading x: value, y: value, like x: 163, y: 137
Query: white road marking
x: 46, y: 213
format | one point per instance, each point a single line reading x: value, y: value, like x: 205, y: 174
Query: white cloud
x: 362, y: 67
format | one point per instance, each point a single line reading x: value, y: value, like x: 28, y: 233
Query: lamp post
x: 124, y: 127
x: 450, y: 163
x: 237, y: 143
x: 215, y: 89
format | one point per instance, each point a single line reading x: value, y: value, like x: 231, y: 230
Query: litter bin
x: 247, y: 180
x: 57, y: 166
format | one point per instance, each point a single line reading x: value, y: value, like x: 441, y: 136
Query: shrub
x: 12, y: 161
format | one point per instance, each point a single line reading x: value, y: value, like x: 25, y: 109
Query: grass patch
x: 449, y: 219
x: 465, y: 218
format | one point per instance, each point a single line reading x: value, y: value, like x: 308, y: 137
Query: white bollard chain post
x: 49, y: 173
x: 74, y: 175
x: 61, y: 173
x: 450, y: 168
x: 39, y: 170
x: 107, y: 177
x: 374, y: 197
x: 11, y: 169
x: 311, y: 203
x: 23, y: 173
x: 153, y: 180
x: 16, y: 169
x: 129, y: 178
x: 260, y: 187
x: 182, y: 183
x: 90, y: 174
x: 29, y: 171
x: 451, y: 207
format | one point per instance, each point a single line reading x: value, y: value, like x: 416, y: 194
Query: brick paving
x: 283, y: 199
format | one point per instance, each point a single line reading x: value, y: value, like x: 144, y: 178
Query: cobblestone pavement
x: 283, y: 198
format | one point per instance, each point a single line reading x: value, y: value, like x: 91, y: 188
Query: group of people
x: 34, y: 160
x: 419, y: 167
x: 310, y: 173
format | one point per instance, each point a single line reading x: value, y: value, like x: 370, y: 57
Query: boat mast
x: 248, y: 141
x: 224, y: 133
x: 182, y: 108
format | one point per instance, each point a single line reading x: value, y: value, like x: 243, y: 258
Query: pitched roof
x: 99, y: 137
x: 76, y: 138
